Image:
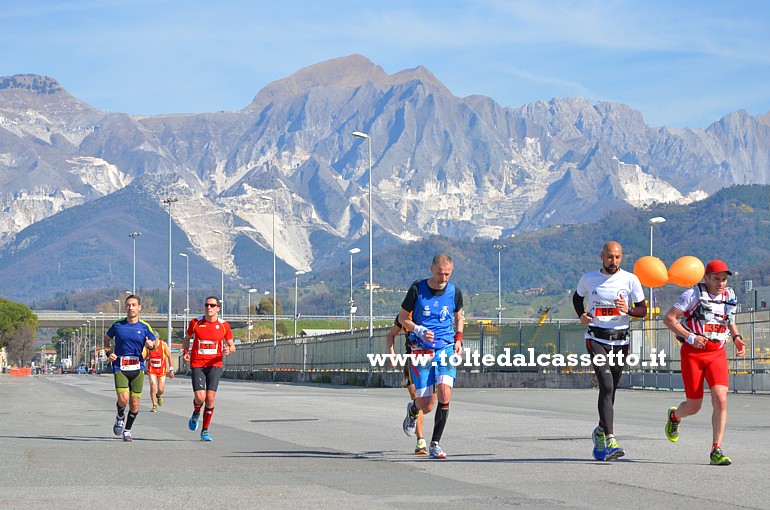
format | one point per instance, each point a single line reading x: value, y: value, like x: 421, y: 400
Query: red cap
x: 718, y: 266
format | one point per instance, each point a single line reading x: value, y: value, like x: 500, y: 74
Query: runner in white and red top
x: 708, y: 310
x: 211, y: 338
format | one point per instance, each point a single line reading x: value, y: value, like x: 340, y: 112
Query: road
x: 289, y: 446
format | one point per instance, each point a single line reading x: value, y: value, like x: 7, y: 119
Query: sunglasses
x: 211, y: 305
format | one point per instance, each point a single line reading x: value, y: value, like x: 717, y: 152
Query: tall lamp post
x: 88, y: 344
x: 657, y: 220
x: 359, y: 134
x: 499, y: 248
x: 352, y: 252
x: 275, y: 297
x: 187, y: 285
x: 297, y: 274
x: 248, y: 315
x: 133, y: 236
x: 169, y: 201
x: 222, y: 292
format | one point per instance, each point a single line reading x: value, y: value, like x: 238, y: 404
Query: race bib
x: 208, y: 347
x: 156, y: 362
x: 714, y: 328
x: 128, y: 363
x: 602, y: 311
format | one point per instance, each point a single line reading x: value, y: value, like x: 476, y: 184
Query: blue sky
x: 680, y: 63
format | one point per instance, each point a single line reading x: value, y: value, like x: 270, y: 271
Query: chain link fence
x: 555, y: 347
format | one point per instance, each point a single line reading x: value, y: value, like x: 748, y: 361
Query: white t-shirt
x: 602, y: 290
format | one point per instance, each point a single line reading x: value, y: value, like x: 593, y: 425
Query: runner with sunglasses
x: 211, y: 338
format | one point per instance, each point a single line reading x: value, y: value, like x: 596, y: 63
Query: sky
x: 680, y: 63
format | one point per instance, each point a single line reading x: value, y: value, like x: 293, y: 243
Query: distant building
x: 375, y: 286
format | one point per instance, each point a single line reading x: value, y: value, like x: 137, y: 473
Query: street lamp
x: 297, y: 274
x: 275, y: 303
x: 187, y: 280
x: 169, y: 201
x: 352, y: 251
x: 88, y: 344
x: 657, y: 220
x: 499, y: 248
x: 133, y: 236
x: 222, y: 292
x: 358, y: 134
x: 102, y: 314
x: 248, y: 314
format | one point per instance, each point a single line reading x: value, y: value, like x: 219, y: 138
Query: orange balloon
x: 686, y: 271
x: 651, y: 271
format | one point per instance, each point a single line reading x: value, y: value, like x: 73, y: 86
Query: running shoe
x: 718, y: 458
x: 421, y: 448
x: 205, y: 435
x: 117, y: 429
x: 599, y: 452
x: 160, y: 401
x: 672, y: 427
x: 410, y: 422
x: 154, y: 409
x: 127, y: 436
x: 613, y: 450
x: 194, y: 421
x: 436, y: 452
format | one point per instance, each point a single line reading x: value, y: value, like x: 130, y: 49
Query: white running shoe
x: 436, y: 452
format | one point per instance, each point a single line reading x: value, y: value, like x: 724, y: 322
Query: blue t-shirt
x: 435, y: 310
x: 129, y: 340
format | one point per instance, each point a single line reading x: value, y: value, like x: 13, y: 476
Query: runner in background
x: 159, y: 364
x: 422, y: 447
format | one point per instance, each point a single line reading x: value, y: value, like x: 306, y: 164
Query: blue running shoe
x: 117, y: 429
x: 600, y: 450
x: 194, y: 421
x: 205, y: 435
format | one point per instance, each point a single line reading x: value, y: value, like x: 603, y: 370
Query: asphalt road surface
x: 291, y: 446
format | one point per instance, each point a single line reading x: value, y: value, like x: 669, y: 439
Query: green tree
x: 17, y: 330
x: 265, y: 307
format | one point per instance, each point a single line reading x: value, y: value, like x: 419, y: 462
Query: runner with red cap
x: 708, y: 310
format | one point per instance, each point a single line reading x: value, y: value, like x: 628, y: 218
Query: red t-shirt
x: 207, y: 340
x: 156, y: 361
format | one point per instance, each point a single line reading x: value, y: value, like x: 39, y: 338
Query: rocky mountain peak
x: 347, y: 72
x: 31, y: 82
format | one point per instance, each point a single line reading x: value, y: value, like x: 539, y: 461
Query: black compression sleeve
x: 577, y: 302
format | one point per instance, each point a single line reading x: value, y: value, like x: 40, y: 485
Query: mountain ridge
x: 497, y: 170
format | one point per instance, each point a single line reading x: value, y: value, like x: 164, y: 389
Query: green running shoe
x: 613, y: 450
x: 718, y: 458
x: 672, y: 427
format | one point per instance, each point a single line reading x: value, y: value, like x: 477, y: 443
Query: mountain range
x: 75, y: 180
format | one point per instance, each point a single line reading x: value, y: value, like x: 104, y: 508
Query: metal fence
x: 517, y: 346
